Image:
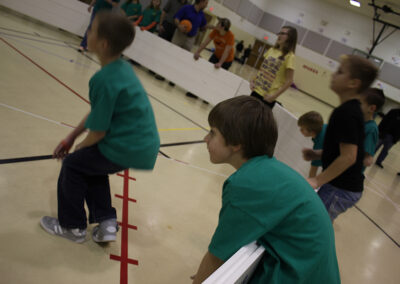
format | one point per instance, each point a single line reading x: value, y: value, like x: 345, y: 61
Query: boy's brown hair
x: 116, y: 29
x: 362, y: 69
x: 248, y: 122
x: 312, y: 121
x: 374, y: 96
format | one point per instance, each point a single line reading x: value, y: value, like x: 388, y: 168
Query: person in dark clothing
x: 238, y: 50
x: 246, y: 54
x: 389, y: 134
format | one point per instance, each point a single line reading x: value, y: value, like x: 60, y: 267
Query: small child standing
x: 265, y: 201
x: 151, y: 17
x: 132, y: 9
x: 341, y: 180
x: 312, y: 125
x: 122, y: 134
x: 371, y: 102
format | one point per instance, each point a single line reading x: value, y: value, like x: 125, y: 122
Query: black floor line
x: 83, y: 53
x: 181, y: 143
x: 379, y: 227
x: 47, y: 157
x: 33, y: 39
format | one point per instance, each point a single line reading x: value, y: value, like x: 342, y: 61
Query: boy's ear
x: 355, y: 83
x: 372, y: 108
x: 236, y: 148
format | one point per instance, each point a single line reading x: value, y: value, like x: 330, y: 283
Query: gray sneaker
x: 106, y: 231
x: 52, y: 226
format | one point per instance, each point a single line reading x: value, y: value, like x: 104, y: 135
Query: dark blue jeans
x: 84, y: 40
x: 214, y: 59
x: 84, y: 177
x: 337, y: 200
x: 387, y: 143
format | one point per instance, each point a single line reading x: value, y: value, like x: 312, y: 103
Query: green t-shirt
x: 103, y: 5
x: 149, y: 16
x: 267, y: 201
x: 132, y: 9
x: 319, y: 144
x: 120, y: 106
x: 371, y: 136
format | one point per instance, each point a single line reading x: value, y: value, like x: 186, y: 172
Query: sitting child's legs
x: 337, y: 200
x: 83, y: 176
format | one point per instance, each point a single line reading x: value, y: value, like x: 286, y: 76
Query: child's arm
x: 313, y: 171
x: 92, y: 138
x: 311, y: 155
x: 289, y: 74
x: 138, y: 21
x: 208, y: 265
x: 63, y: 147
x: 148, y: 27
x: 347, y: 157
x: 201, y: 47
x: 368, y: 160
x: 91, y: 5
x: 224, y: 56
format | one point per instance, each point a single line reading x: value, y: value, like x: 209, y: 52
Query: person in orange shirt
x: 224, y: 41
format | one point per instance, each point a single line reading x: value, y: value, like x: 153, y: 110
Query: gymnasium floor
x: 167, y: 216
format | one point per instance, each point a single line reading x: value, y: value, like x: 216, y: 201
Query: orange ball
x: 187, y: 24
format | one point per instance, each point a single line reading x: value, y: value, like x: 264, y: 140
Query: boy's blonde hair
x: 312, y: 121
x: 362, y: 69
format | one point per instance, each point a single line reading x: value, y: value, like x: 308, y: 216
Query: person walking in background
x: 94, y: 7
x: 389, y: 134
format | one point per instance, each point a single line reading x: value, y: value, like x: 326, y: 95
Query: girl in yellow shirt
x: 277, y: 70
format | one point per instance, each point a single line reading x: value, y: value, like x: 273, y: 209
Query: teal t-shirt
x: 132, y: 9
x: 150, y: 15
x: 371, y: 138
x: 267, y: 201
x: 120, y: 106
x: 319, y: 144
x: 103, y: 5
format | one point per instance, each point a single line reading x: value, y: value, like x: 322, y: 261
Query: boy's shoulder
x: 370, y: 126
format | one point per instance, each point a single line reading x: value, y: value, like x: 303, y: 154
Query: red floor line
x: 124, y: 237
x: 123, y: 197
x: 129, y: 226
x: 131, y: 178
x: 44, y: 70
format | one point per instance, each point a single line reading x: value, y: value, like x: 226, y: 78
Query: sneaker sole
x: 79, y: 241
x: 105, y: 239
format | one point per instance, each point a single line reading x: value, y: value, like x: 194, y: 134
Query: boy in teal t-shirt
x: 312, y: 125
x: 265, y: 201
x: 371, y: 102
x: 132, y: 9
x: 150, y: 17
x: 122, y: 134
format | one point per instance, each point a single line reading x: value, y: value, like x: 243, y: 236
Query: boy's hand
x: 62, y: 148
x: 313, y: 182
x: 269, y: 98
x: 196, y: 56
x: 218, y: 65
x: 252, y: 85
x: 308, y: 154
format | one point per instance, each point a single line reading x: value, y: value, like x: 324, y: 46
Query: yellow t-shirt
x: 272, y: 73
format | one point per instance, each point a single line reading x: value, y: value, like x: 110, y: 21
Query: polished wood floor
x: 177, y: 204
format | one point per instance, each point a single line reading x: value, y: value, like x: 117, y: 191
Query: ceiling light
x: 355, y: 3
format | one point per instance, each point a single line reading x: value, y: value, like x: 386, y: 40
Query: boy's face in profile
x: 367, y: 110
x: 306, y: 132
x: 341, y: 79
x: 217, y: 148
